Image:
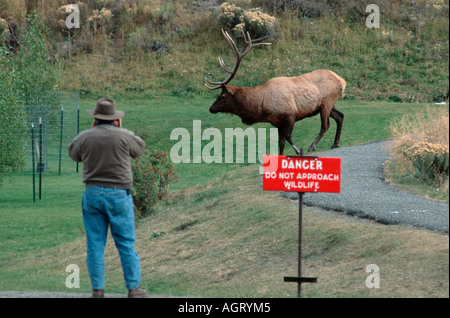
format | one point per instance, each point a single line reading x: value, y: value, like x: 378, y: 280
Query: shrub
x: 33, y: 72
x: 422, y: 146
x: 153, y: 172
x: 430, y: 162
x: 300, y: 8
x: 239, y: 17
x: 141, y: 41
x: 100, y: 17
x: 3, y: 26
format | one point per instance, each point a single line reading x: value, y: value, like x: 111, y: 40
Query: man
x: 105, y: 151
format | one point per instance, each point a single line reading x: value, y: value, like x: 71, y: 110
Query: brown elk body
x: 282, y: 101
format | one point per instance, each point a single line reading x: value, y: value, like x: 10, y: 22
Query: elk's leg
x: 289, y: 139
x: 325, y: 124
x: 281, y: 141
x: 339, y: 118
x: 284, y: 133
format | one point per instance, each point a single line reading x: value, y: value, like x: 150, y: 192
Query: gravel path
x: 364, y: 193
x: 41, y: 294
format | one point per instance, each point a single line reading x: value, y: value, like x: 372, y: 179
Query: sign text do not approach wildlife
x: 302, y: 174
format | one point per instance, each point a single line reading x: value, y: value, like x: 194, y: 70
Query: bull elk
x: 281, y: 101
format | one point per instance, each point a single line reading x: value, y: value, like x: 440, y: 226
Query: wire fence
x: 53, y: 122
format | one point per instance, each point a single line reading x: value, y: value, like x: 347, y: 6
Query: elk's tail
x: 343, y: 86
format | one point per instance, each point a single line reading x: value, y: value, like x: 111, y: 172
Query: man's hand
x: 118, y: 123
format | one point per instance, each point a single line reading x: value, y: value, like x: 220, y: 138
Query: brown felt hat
x: 105, y: 110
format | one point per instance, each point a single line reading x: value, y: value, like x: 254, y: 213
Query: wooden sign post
x: 301, y: 174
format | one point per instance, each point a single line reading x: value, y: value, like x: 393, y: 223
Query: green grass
x: 217, y: 230
x: 46, y: 223
x: 156, y: 118
x: 411, y: 184
x: 228, y: 238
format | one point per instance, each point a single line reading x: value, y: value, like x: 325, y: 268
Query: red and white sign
x: 302, y: 174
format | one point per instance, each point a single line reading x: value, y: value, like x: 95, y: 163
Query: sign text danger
x: 302, y: 174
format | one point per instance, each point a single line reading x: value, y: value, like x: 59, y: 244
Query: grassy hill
x: 226, y: 238
x: 151, y: 47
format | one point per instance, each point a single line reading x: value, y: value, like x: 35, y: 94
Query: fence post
x: 78, y: 124
x: 40, y: 163
x: 33, y: 162
x: 61, y: 139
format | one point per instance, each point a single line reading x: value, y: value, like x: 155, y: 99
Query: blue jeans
x: 103, y: 207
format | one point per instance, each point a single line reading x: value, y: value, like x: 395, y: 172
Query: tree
x: 12, y: 125
x: 24, y: 74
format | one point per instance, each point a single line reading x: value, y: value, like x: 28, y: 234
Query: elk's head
x: 225, y: 102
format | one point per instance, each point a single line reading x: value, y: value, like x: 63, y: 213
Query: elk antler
x: 249, y: 44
